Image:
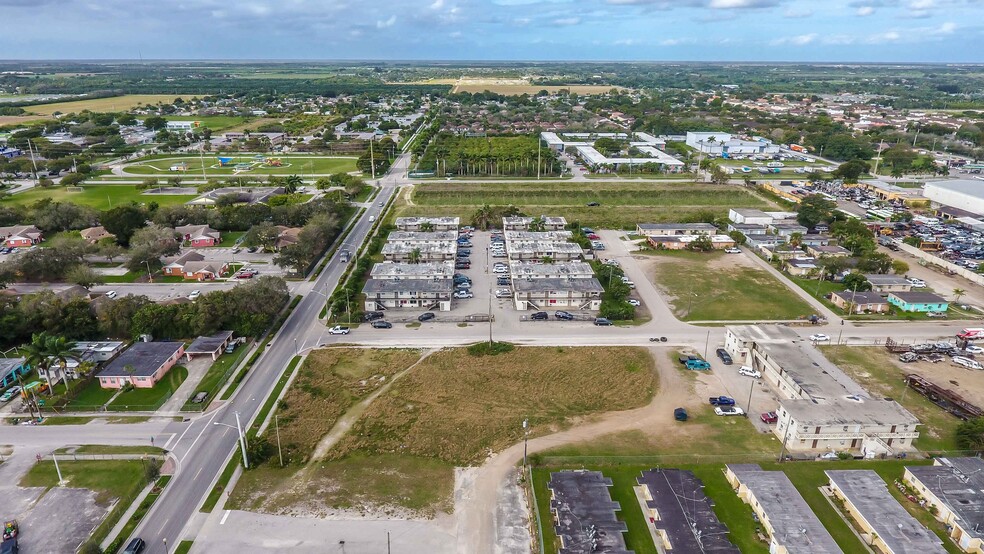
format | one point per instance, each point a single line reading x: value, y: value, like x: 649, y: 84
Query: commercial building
x: 821, y: 407
x: 519, y: 223
x: 785, y: 516
x: 884, y: 524
x: 142, y: 365
x: 422, y: 252
x: 667, y: 229
x: 681, y: 526
x: 726, y: 146
x: 918, y: 301
x: 954, y: 489
x: 584, y: 514
x: 183, y: 125
x: 859, y: 302
x: 965, y: 194
x: 650, y: 149
x: 432, y: 223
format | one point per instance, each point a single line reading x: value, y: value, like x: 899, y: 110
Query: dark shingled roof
x: 586, y: 515
x: 686, y: 515
x: 208, y: 345
x: 145, y: 357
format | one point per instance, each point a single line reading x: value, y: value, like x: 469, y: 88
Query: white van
x: 966, y: 362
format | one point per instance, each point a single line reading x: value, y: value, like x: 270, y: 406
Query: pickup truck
x: 338, y: 330
x: 721, y: 401
x: 698, y: 365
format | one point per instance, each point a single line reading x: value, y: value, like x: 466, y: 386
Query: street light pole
x: 242, y: 441
x: 149, y: 274
x: 61, y: 482
x: 526, y: 439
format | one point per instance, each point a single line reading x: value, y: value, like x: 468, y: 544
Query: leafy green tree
x: 970, y: 434
x: 123, y: 221
x: 84, y: 276
x: 739, y: 238
x: 855, y: 281
x: 874, y: 262
x: 815, y: 209
x: 899, y: 267
x: 852, y: 170
x: 701, y: 244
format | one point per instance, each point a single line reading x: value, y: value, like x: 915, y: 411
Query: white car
x: 463, y: 294
x: 732, y: 250
x: 338, y: 330
x: 503, y: 293
x: 111, y: 294
x: 634, y: 302
x: 728, y: 410
x: 500, y: 269
x: 966, y: 362
x: 819, y: 337
x: 917, y: 283
x: 974, y: 349
x: 747, y: 371
x: 194, y: 294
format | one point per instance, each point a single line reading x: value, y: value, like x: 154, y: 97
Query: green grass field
x: 92, y: 397
x: 300, y: 165
x: 100, y: 197
x: 724, y: 292
x: 214, y: 122
x: 150, y: 399
x: 213, y: 378
x: 622, y: 205
x: 109, y: 478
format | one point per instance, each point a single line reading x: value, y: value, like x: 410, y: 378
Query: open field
x: 213, y: 122
x: 114, y: 104
x: 877, y: 370
x: 515, y: 87
x: 20, y: 119
x: 108, y: 478
x: 623, y: 205
x: 101, y: 197
x: 451, y: 409
x: 715, y: 286
x: 300, y: 165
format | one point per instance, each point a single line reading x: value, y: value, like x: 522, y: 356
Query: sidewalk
x: 125, y: 518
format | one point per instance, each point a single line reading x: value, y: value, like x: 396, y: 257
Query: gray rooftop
x: 959, y: 484
x: 420, y: 236
x: 866, y: 411
x: 972, y: 187
x: 590, y: 285
x: 558, y: 236
x: 916, y: 297
x: 794, y: 524
x: 208, y: 345
x: 425, y: 270
x: 750, y: 212
x: 544, y: 247
x: 144, y: 357
x: 865, y: 297
x: 869, y: 495
x: 557, y: 269
x: 407, y: 247
x: 586, y: 515
x: 876, y: 279
x: 708, y: 227
x: 8, y: 365
x: 686, y: 515
x: 374, y: 286
x: 411, y: 221
x: 522, y: 220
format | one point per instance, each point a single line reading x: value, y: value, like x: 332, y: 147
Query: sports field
x: 114, y: 104
x: 253, y: 165
x: 100, y: 197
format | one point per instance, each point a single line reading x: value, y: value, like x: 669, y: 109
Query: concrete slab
x: 61, y: 521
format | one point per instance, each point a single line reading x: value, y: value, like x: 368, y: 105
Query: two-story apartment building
x: 538, y: 250
x: 954, y: 489
x: 541, y: 294
x: 425, y: 294
x: 431, y: 223
x: 519, y: 223
x: 419, y: 252
x: 421, y: 237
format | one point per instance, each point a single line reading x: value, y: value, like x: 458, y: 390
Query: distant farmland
x: 114, y: 104
x: 516, y: 90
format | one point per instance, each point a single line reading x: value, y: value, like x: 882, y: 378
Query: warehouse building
x: 965, y: 194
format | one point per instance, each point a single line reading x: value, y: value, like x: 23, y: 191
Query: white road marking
x: 224, y: 517
x: 204, y: 427
x: 168, y: 443
x: 161, y: 530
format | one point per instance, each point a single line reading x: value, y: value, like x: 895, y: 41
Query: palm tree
x: 414, y: 256
x: 37, y: 356
x: 795, y: 239
x: 426, y: 227
x: 60, y: 349
x: 292, y: 183
x: 957, y: 293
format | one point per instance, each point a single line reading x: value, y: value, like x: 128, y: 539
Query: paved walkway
x: 196, y: 370
x: 125, y: 518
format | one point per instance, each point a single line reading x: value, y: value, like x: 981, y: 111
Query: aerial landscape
x: 492, y: 277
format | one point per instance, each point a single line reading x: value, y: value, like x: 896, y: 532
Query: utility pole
x: 526, y: 439
x: 61, y: 482
x: 372, y: 158
x: 149, y: 273
x: 242, y: 441
x: 751, y: 389
x: 34, y: 162
x: 537, y: 159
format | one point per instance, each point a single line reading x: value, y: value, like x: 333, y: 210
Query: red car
x: 593, y: 236
x: 770, y: 417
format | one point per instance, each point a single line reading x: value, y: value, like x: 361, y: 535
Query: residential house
x: 212, y: 345
x: 204, y: 271
x: 667, y: 229
x: 786, y: 228
x: 142, y: 365
x: 246, y: 195
x: 174, y: 266
x: 918, y: 301
x: 10, y: 369
x: 286, y: 236
x: 829, y: 251
x: 781, y: 251
x: 18, y: 236
x: 98, y: 351
x: 681, y: 242
x: 92, y: 235
x: 859, y: 302
x: 803, y: 267
x: 758, y: 240
x: 199, y: 235
x: 888, y: 283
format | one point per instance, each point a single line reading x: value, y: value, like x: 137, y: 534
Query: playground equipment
x: 181, y: 166
x: 274, y: 162
x: 224, y: 161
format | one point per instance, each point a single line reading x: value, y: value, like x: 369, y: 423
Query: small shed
x: 211, y: 346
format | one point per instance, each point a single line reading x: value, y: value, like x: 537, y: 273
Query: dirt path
x: 349, y: 418
x: 408, y: 195
x: 477, y: 531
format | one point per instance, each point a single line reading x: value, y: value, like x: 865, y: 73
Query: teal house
x: 918, y: 302
x: 10, y: 368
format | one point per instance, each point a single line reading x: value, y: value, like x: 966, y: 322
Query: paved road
x: 203, y: 448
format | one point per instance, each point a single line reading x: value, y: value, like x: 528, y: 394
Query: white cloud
x: 676, y: 41
x: 797, y: 13
x: 865, y: 11
x: 387, y: 23
x: 798, y: 40
x: 741, y: 4
x: 438, y: 4
x: 565, y: 21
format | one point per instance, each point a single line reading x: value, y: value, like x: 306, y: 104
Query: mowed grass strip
x: 100, y: 197
x: 872, y: 367
x: 458, y: 408
x: 300, y: 165
x: 606, y: 216
x: 109, y: 479
x: 567, y: 194
x: 703, y: 290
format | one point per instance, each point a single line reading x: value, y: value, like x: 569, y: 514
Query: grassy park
x: 100, y: 197
x: 300, y: 165
x: 704, y: 287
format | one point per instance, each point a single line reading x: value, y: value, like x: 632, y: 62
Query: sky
x: 644, y: 30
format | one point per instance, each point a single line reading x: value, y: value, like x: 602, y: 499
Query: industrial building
x: 965, y: 194
x: 883, y: 522
x: 585, y: 516
x: 792, y: 526
x: 681, y: 526
x: 726, y: 146
x: 821, y: 407
x: 651, y: 149
x: 954, y: 488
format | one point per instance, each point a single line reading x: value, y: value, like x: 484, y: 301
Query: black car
x: 680, y: 414
x: 540, y: 316
x: 381, y: 324
x: 426, y: 316
x: 603, y: 321
x: 725, y: 357
x: 462, y: 265
x: 251, y: 249
x: 566, y: 316
x: 371, y: 316
x: 464, y: 251
x: 503, y: 281
x: 135, y: 547
x: 593, y: 204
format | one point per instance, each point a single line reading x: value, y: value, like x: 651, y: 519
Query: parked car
x: 725, y: 357
x: 939, y: 315
x: 819, y: 337
x: 135, y: 546
x: 680, y: 414
x: 503, y: 293
x: 381, y: 324
x: 540, y: 316
x: 634, y: 302
x: 566, y: 316
x: 732, y: 250
x: 500, y: 269
x: 463, y: 286
x: 966, y: 362
x: 462, y: 265
x: 251, y: 249
x: 697, y: 365
x: 593, y: 204
x: 769, y: 417
x: 370, y: 316
x: 426, y: 316
x: 749, y: 372
x: 603, y: 322
x: 194, y: 294
x: 111, y: 294
x: 721, y: 401
x: 338, y: 330
x: 462, y: 294
x: 728, y: 411
x: 503, y: 281
x: 10, y: 394
x: 974, y: 349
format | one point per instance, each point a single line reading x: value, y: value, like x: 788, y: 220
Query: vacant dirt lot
x: 114, y: 104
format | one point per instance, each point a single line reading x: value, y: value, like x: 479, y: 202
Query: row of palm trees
x: 48, y: 353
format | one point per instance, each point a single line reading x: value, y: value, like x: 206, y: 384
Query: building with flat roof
x: 585, y: 516
x: 548, y: 292
x: 681, y: 526
x: 785, y: 516
x: 820, y: 407
x: 420, y: 237
x: 883, y: 522
x: 246, y: 195
x: 954, y: 487
x: 522, y: 223
x: 888, y: 283
x: 426, y: 270
x: 537, y: 250
x: 725, y: 145
x: 98, y: 351
x: 681, y: 242
x: 750, y: 216
x: 423, y: 252
x: 433, y: 223
x: 555, y: 236
x: 966, y: 194
x: 427, y: 293
x: 212, y: 345
x: 142, y: 365
x: 651, y: 149
x: 665, y: 229
x: 556, y: 270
